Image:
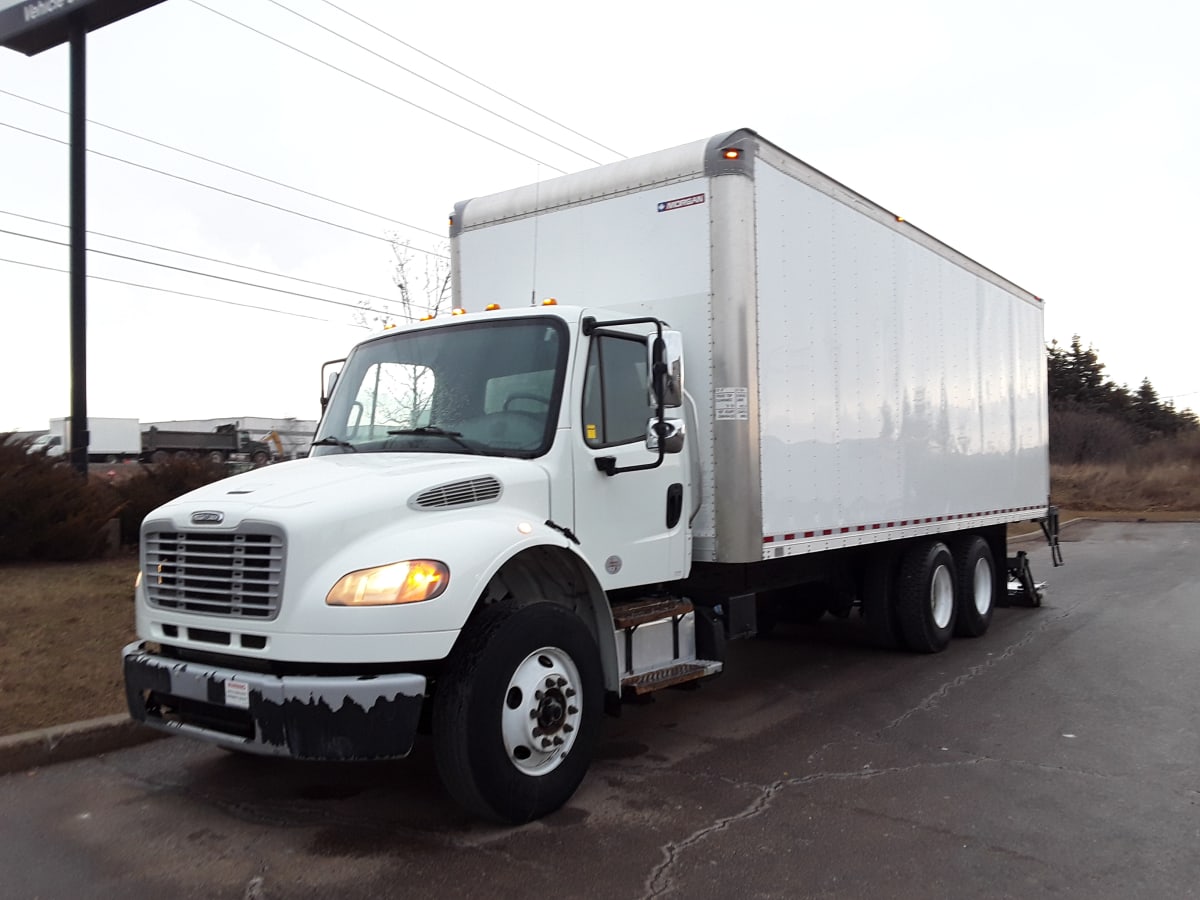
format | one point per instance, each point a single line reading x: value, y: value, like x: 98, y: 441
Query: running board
x: 656, y: 644
x: 669, y: 676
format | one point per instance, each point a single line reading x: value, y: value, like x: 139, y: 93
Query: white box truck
x: 109, y: 439
x: 756, y: 396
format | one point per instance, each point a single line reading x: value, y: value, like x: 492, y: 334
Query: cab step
x: 669, y: 676
x: 649, y: 609
x: 656, y: 644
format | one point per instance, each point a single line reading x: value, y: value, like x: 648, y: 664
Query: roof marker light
x: 426, y: 317
x: 458, y: 311
x: 732, y: 153
x: 549, y: 301
x: 492, y: 307
x: 899, y: 218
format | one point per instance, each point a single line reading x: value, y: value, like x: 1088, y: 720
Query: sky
x: 1055, y: 142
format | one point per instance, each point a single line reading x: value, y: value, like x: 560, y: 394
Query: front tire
x: 517, y: 712
x: 925, y: 606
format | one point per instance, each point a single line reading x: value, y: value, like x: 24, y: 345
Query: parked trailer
x: 515, y: 517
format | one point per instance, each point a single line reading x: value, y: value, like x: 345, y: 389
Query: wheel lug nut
x: 537, y: 731
x: 545, y: 743
x: 537, y: 695
x: 570, y: 692
x: 571, y: 710
x: 567, y: 727
x: 558, y: 742
x: 550, y: 682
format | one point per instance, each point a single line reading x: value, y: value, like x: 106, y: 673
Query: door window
x: 616, y: 395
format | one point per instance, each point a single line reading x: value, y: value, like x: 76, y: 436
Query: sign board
x: 31, y: 26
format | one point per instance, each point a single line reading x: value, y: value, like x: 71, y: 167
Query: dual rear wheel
x: 943, y: 589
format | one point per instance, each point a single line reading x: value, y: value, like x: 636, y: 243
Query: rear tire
x: 976, y: 586
x: 925, y: 606
x: 517, y: 711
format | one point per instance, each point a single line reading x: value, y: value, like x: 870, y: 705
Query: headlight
x: 410, y: 581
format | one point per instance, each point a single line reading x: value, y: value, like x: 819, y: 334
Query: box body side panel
x: 897, y: 388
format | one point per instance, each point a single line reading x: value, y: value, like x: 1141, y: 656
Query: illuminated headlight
x: 410, y: 581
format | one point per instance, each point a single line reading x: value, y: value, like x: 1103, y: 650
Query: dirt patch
x: 62, y: 627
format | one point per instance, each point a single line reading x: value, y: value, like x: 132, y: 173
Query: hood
x: 353, y: 491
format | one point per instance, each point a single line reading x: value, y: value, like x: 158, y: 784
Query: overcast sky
x: 1054, y: 142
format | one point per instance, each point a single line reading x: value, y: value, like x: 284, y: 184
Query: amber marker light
x: 492, y: 307
x: 427, y: 317
x: 549, y: 301
x: 458, y: 311
x: 410, y: 581
x: 732, y: 153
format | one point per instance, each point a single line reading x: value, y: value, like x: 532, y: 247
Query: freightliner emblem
x: 207, y: 517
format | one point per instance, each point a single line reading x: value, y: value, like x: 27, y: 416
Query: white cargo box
x: 856, y: 380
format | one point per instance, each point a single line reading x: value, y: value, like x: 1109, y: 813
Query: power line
x: 441, y: 87
x: 148, y: 262
x: 150, y: 287
x: 379, y: 88
x: 219, y: 190
x: 231, y: 168
x: 222, y: 262
x: 483, y: 85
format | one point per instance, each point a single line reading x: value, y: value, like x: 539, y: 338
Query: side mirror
x: 666, y: 368
x: 328, y: 380
x: 671, y: 432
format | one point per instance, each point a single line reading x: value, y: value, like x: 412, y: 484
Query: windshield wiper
x: 455, y: 436
x: 332, y: 441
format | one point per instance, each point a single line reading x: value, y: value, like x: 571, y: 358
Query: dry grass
x: 1143, y: 488
x: 62, y: 627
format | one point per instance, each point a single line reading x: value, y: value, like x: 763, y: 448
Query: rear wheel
x: 976, y: 586
x: 517, y: 711
x: 925, y: 607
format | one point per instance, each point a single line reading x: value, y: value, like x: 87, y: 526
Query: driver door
x: 632, y: 526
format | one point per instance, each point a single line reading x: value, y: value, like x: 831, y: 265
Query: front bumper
x: 348, y: 717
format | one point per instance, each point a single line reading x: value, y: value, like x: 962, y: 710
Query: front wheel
x: 517, y: 711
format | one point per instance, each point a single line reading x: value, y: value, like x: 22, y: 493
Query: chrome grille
x: 458, y: 493
x: 239, y: 575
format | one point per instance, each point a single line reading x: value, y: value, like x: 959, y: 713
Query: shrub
x: 155, y: 485
x: 1082, y: 436
x: 47, y: 511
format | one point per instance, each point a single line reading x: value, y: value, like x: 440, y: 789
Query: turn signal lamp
x: 410, y: 581
x: 732, y: 153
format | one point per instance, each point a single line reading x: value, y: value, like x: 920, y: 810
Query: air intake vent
x: 458, y: 493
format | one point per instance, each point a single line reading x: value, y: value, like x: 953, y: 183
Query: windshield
x: 489, y: 388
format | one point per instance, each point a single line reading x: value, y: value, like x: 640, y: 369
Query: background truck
x: 221, y: 444
x: 757, y: 396
x: 109, y: 440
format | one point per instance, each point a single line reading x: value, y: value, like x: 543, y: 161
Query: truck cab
x: 482, y: 490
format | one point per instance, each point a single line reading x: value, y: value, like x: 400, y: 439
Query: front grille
x: 458, y: 493
x: 239, y: 575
